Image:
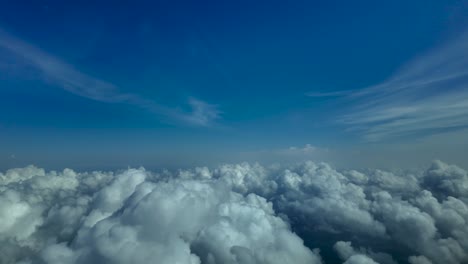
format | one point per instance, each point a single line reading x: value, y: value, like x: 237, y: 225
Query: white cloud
x: 443, y: 179
x: 287, y: 154
x: 359, y: 259
x: 128, y: 217
x: 350, y: 255
x: 235, y: 213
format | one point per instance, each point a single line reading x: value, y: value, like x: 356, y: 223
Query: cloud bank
x: 235, y: 213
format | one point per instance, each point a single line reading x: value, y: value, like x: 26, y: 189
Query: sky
x: 238, y: 132
x: 180, y: 83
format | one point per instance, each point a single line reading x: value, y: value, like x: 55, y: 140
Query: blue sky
x: 175, y: 83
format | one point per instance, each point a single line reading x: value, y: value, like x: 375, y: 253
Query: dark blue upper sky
x: 178, y: 82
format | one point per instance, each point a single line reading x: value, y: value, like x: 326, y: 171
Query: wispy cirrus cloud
x: 427, y: 95
x: 328, y: 94
x: 61, y: 74
x: 202, y: 112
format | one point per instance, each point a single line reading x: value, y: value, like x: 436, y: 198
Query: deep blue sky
x: 202, y: 81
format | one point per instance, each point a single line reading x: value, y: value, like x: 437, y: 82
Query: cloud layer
x: 235, y: 213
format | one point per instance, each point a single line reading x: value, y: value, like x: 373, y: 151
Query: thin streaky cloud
x: 60, y: 73
x: 427, y: 95
x: 68, y: 78
x: 328, y: 94
x: 202, y: 112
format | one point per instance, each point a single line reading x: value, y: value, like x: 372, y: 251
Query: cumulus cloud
x: 99, y: 217
x: 235, y: 213
x: 351, y: 255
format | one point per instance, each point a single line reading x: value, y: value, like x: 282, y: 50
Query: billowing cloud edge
x: 235, y: 213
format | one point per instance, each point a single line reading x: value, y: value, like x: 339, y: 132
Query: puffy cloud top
x: 235, y: 213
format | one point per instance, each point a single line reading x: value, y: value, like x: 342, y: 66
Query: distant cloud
x: 67, y: 77
x: 295, y: 150
x: 292, y: 154
x: 426, y: 96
